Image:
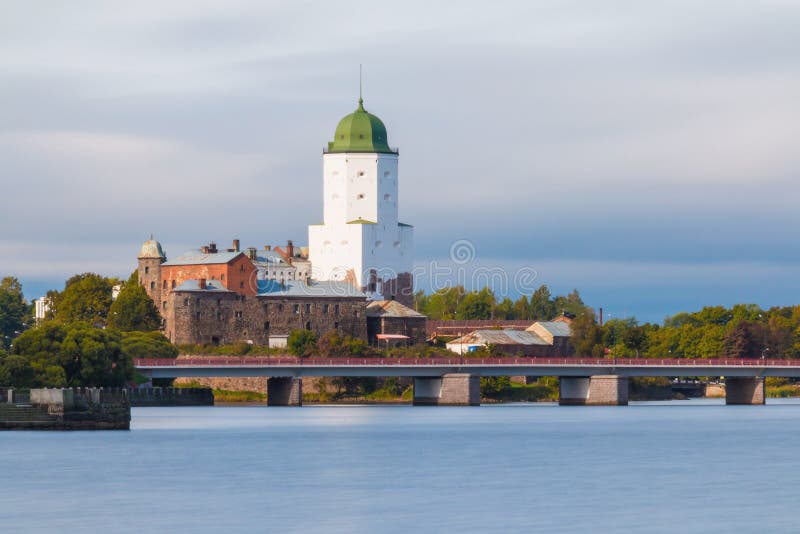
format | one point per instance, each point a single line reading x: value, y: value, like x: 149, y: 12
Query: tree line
x: 741, y: 331
x: 457, y: 303
x: 87, y: 339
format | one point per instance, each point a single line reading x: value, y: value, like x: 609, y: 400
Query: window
x: 297, y: 308
x: 308, y: 325
x: 219, y: 316
x: 241, y: 285
x: 147, y: 270
x: 387, y: 197
x: 238, y: 314
x: 356, y: 313
x: 173, y: 284
x: 280, y: 307
x: 222, y: 277
x: 197, y: 315
x: 336, y: 325
x: 185, y: 302
x: 336, y: 309
x: 360, y: 196
x: 152, y: 285
x: 266, y: 326
x: 241, y: 268
x: 164, y: 305
x: 308, y: 308
x: 164, y: 285
x: 219, y: 301
x: 325, y: 308
x: 361, y: 173
x: 266, y: 307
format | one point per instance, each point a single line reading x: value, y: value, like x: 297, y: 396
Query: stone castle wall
x: 195, y: 317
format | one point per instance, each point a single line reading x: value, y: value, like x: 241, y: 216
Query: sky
x: 645, y: 153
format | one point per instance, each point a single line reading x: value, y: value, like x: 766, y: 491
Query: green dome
x: 360, y: 132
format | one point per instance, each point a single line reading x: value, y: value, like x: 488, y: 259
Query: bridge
x: 455, y: 381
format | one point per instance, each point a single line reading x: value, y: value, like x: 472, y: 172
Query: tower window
x: 147, y: 270
x: 173, y: 284
x: 360, y: 196
x: 222, y: 277
x: 164, y: 285
x: 238, y: 314
x: 185, y: 302
x: 336, y: 309
x: 197, y: 315
x: 152, y: 285
x: 219, y: 316
x: 361, y: 173
x: 387, y: 197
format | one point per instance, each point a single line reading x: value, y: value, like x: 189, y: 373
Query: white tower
x: 361, y: 239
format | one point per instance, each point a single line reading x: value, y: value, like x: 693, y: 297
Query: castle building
x: 361, y: 239
x: 360, y: 253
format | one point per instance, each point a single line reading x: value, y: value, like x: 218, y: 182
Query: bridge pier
x: 744, y: 390
x: 284, y: 391
x: 457, y: 389
x: 598, y: 390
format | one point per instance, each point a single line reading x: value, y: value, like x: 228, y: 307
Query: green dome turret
x: 360, y: 132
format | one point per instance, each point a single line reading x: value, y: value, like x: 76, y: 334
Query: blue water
x: 691, y: 466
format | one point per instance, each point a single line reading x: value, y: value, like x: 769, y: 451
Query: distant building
x: 41, y: 307
x: 391, y: 323
x: 541, y: 339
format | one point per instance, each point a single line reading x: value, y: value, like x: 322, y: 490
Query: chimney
x: 290, y: 250
x: 236, y: 245
x: 202, y: 283
x: 212, y: 248
x: 204, y: 249
x: 601, y: 316
x: 251, y: 253
x: 268, y: 247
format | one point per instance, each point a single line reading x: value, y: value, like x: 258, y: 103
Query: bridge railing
x: 232, y: 361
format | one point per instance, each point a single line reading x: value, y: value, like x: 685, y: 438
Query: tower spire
x: 360, y: 92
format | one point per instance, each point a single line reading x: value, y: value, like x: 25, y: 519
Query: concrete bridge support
x: 744, y: 390
x: 458, y: 389
x: 284, y: 391
x: 599, y: 390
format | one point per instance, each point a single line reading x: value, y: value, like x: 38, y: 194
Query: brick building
x: 390, y: 322
x: 211, y: 296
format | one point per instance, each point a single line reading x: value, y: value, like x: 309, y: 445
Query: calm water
x: 692, y: 466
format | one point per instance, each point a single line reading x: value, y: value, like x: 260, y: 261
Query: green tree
x: 86, y: 298
x: 542, y: 307
x: 504, y: 309
x: 141, y: 345
x: 133, y: 310
x: 587, y: 336
x: 571, y: 304
x: 13, y: 310
x: 87, y: 356
x: 443, y: 304
x: 302, y: 342
x: 522, y: 309
x: 476, y: 305
x: 744, y: 340
x: 494, y: 386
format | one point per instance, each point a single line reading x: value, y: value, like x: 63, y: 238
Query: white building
x: 41, y: 307
x: 361, y: 239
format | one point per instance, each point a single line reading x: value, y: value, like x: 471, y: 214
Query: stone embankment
x: 65, y: 409
x: 143, y: 397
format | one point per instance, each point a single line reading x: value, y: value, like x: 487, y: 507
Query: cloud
x: 649, y: 134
